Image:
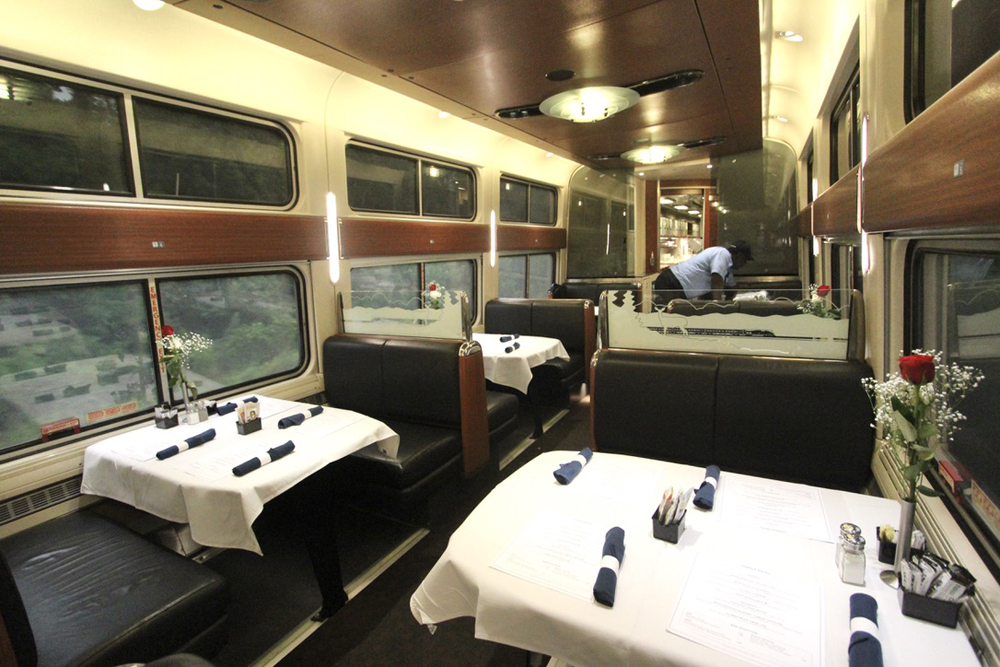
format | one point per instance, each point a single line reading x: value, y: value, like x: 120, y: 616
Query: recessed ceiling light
x: 709, y: 166
x: 148, y: 5
x: 680, y: 207
x: 788, y: 35
x: 443, y: 114
x: 780, y: 119
x: 549, y: 154
x: 666, y: 200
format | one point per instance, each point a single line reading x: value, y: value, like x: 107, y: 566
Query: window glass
x: 453, y: 276
x: 541, y: 274
x: 543, y: 205
x: 447, y: 191
x: 75, y: 355
x: 194, y: 155
x: 513, y: 201
x: 845, y: 138
x: 513, y: 276
x: 381, y: 181
x: 403, y: 283
x: 253, y: 320
x: 957, y: 311
x: 60, y: 135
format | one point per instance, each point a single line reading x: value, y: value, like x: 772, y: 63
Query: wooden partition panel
x: 803, y: 222
x: 835, y: 211
x: 371, y: 237
x: 941, y: 170
x: 53, y: 239
x: 529, y: 237
x: 475, y: 421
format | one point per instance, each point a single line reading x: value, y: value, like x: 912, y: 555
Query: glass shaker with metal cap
x: 852, y: 563
x: 847, y: 530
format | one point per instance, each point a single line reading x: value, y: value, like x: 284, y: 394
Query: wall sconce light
x: 588, y: 105
x: 332, y: 237
x: 493, y: 238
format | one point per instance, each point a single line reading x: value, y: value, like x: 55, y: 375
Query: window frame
x: 131, y: 149
x: 849, y: 100
x: 419, y: 160
x: 531, y: 185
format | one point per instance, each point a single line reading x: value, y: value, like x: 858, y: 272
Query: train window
x: 956, y: 310
x: 400, y: 280
x: 72, y: 356
x: 527, y: 276
x: 254, y: 321
x: 845, y: 129
x: 194, y: 155
x: 388, y: 182
x: 62, y: 136
x: 946, y: 41
x: 522, y: 201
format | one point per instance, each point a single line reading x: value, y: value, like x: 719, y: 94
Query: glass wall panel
x: 61, y: 135
x: 194, y: 155
x: 72, y: 357
x: 597, y: 240
x: 254, y: 321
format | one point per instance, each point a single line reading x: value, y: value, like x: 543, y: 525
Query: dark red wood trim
x: 698, y: 183
x: 529, y: 237
x: 652, y: 227
x: 370, y: 237
x: 475, y: 424
x: 911, y: 182
x: 802, y: 223
x: 835, y: 211
x: 51, y: 238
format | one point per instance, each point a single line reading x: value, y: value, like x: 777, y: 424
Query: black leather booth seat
x: 800, y: 420
x: 569, y: 320
x: 421, y: 389
x: 84, y: 591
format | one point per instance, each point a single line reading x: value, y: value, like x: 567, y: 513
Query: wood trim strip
x: 802, y: 223
x: 475, y: 421
x: 529, y: 237
x: 911, y: 182
x: 53, y: 239
x: 371, y: 237
x: 835, y: 211
x: 652, y: 227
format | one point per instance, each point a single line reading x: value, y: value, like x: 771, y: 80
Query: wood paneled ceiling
x: 488, y: 55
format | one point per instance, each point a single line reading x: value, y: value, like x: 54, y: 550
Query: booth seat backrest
x: 564, y: 319
x: 801, y: 420
x: 411, y: 379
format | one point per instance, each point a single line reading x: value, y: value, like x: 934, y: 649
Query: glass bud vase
x: 907, y: 510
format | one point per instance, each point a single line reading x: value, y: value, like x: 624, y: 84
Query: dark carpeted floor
x: 377, y: 628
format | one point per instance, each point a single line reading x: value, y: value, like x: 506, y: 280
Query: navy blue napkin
x: 188, y: 443
x: 864, y: 649
x: 607, y: 576
x: 225, y: 409
x: 704, y: 497
x: 295, y: 420
x: 567, y: 471
x: 504, y: 339
x: 511, y: 348
x: 272, y: 455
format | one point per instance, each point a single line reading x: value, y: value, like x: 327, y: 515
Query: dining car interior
x: 456, y: 332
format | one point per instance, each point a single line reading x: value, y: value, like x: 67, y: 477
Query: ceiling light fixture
x: 589, y: 105
x: 666, y: 200
x: 788, y: 35
x: 148, y: 5
x: 653, y: 154
x: 780, y: 119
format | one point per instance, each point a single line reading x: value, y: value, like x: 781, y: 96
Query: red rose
x: 168, y: 330
x: 917, y: 368
x: 823, y: 290
x: 432, y: 287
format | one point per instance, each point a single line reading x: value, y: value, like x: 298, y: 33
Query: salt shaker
x: 847, y: 530
x: 852, y: 561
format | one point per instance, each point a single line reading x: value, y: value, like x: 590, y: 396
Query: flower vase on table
x: 176, y: 350
x: 915, y: 408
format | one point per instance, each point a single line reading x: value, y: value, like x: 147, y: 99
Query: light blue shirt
x: 695, y: 274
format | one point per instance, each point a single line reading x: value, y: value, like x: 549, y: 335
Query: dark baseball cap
x: 743, y: 248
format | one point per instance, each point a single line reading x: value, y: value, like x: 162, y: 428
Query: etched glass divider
x: 429, y: 314
x: 784, y: 323
x: 974, y: 319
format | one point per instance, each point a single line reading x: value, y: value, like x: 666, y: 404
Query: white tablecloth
x: 624, y: 491
x: 513, y: 369
x: 197, y: 486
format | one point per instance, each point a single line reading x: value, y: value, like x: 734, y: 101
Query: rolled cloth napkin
x: 864, y: 649
x: 567, y: 471
x: 272, y: 454
x: 229, y: 407
x: 193, y: 441
x: 704, y: 497
x: 611, y: 561
x: 295, y: 420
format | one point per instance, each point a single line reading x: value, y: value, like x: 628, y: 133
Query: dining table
x: 204, y: 486
x: 508, y: 360
x: 753, y: 580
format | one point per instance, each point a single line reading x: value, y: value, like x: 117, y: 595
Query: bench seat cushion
x: 423, y: 449
x: 501, y: 408
x: 97, y: 594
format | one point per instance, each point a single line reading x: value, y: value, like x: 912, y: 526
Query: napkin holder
x: 165, y: 418
x: 940, y: 612
x: 246, y: 428
x: 670, y: 532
